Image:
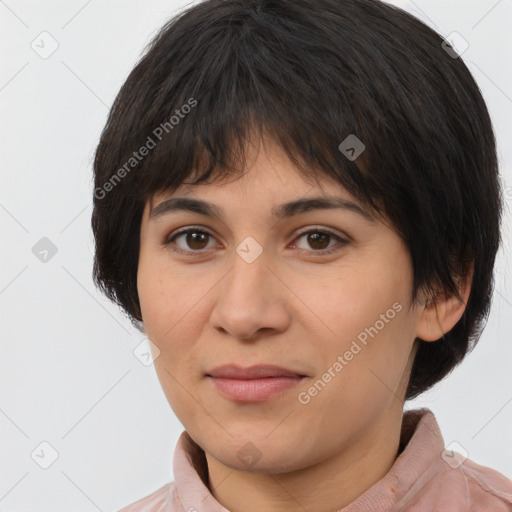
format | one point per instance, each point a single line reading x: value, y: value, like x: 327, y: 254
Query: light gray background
x: 68, y: 374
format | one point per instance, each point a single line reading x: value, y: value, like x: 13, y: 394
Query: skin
x: 294, y: 308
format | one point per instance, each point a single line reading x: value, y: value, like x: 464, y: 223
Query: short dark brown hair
x: 310, y: 73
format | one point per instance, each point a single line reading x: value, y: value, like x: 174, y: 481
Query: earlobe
x: 439, y: 315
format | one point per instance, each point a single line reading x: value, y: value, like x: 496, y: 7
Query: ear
x: 443, y: 312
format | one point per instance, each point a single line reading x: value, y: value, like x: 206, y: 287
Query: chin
x: 256, y: 454
x: 275, y: 464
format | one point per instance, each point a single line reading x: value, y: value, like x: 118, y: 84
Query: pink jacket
x: 424, y: 478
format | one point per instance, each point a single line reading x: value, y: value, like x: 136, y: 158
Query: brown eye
x: 196, y: 239
x: 319, y: 241
x: 193, y: 241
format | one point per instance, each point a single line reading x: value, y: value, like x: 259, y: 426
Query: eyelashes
x: 170, y: 242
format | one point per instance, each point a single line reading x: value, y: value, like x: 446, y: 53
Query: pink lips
x: 253, y: 384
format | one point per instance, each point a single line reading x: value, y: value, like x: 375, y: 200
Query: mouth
x: 253, y: 384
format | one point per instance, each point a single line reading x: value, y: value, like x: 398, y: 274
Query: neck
x: 330, y: 485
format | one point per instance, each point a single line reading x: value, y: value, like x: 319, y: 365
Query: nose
x: 251, y: 300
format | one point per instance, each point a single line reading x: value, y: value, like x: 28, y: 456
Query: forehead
x: 265, y: 174
x: 267, y: 179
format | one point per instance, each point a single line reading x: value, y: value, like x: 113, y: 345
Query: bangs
x: 201, y: 109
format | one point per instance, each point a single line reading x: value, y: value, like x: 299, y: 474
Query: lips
x: 232, y: 371
x: 253, y: 384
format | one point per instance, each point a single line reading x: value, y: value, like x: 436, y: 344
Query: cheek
x: 164, y: 296
x: 167, y: 311
x: 371, y: 330
x: 172, y: 312
x: 354, y: 306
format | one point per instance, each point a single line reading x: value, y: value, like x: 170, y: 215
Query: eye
x: 319, y: 240
x: 197, y: 240
x: 194, y: 238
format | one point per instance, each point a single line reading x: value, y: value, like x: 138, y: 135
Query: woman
x: 298, y: 202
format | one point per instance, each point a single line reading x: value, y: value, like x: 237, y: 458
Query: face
x: 321, y: 292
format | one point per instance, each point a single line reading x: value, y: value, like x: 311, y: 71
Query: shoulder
x: 488, y: 488
x: 436, y: 478
x: 164, y: 499
x: 465, y: 486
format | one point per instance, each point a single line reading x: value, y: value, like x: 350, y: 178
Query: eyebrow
x: 281, y: 211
